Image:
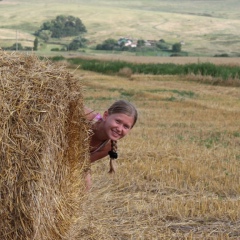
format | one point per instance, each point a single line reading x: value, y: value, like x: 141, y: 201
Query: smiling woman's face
x: 117, y: 125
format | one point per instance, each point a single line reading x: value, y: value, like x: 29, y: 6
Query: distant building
x: 126, y: 42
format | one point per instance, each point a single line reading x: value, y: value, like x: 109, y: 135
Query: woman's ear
x: 105, y: 115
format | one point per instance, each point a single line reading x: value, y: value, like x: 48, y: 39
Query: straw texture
x: 44, y: 149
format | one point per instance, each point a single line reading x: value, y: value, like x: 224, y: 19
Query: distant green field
x: 207, y: 28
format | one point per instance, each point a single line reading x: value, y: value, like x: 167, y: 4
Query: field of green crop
x: 206, y: 27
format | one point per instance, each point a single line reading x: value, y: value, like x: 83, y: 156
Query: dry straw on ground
x: 44, y: 143
x: 178, y: 170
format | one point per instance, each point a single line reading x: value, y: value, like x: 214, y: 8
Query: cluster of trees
x: 17, y: 46
x: 62, y: 26
x: 109, y: 44
x: 76, y: 43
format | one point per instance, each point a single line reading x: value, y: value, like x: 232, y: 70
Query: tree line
x: 69, y: 26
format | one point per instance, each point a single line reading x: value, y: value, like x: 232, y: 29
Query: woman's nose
x: 119, y: 128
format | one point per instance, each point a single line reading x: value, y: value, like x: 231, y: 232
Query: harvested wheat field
x: 44, y: 148
x: 178, y: 170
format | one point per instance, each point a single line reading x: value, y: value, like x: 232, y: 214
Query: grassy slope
x: 178, y: 170
x: 170, y: 20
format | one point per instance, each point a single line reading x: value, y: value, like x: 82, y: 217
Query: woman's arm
x: 98, y: 155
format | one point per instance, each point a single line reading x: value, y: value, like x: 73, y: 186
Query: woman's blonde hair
x: 125, y: 107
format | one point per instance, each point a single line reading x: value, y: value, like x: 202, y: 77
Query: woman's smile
x: 116, y: 133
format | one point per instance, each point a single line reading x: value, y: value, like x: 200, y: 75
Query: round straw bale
x: 44, y: 148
